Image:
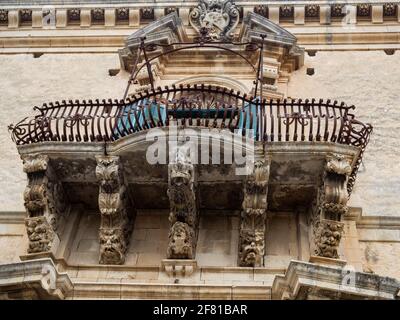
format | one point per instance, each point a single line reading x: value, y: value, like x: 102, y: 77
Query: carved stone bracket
x: 179, y: 268
x: 116, y: 209
x: 330, y: 206
x: 183, y: 207
x: 254, y: 209
x: 44, y: 202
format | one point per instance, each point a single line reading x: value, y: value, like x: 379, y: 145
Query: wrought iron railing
x: 198, y: 105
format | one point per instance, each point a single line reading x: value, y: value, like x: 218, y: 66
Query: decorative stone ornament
x: 329, y: 207
x: 147, y: 14
x: 74, y: 14
x: 44, y: 203
x: 327, y: 237
x: 122, y: 14
x: 26, y: 15
x: 312, y: 11
x: 286, y: 11
x: 262, y: 10
x: 389, y: 9
x: 116, y: 209
x: 218, y: 17
x: 183, y: 207
x: 4, y: 16
x: 337, y: 10
x: 98, y: 14
x: 364, y: 10
x: 254, y: 210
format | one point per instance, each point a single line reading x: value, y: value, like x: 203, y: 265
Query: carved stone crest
x: 218, y: 18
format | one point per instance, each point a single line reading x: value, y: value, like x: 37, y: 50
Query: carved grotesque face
x: 111, y: 246
x: 180, y: 243
x: 251, y: 249
x: 332, y: 235
x: 180, y: 184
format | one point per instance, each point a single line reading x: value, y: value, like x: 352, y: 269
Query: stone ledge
x: 328, y: 261
x: 310, y: 281
x: 40, y: 275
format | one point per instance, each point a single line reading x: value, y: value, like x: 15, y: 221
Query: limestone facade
x: 231, y: 254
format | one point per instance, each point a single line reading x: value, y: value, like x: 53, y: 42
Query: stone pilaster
x: 299, y: 14
x: 329, y: 207
x: 183, y: 207
x: 86, y: 18
x: 37, y: 18
x: 116, y: 209
x: 273, y: 14
x: 44, y: 202
x: 325, y: 14
x: 134, y: 17
x: 61, y: 18
x: 13, y: 19
x: 254, y: 211
x: 109, y: 17
x: 377, y: 14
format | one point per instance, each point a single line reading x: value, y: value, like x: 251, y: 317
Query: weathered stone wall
x: 27, y: 82
x: 217, y: 244
x: 367, y: 79
x: 370, y: 81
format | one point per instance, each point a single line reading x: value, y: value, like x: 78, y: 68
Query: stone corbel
x: 116, y: 209
x: 330, y: 206
x: 44, y: 202
x: 183, y: 207
x: 254, y: 210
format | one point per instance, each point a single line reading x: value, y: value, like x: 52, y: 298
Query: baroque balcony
x: 301, y: 156
x: 306, y: 156
x: 250, y: 155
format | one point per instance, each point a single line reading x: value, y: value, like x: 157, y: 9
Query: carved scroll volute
x: 254, y: 208
x: 183, y: 207
x: 338, y: 168
x: 116, y: 209
x: 44, y: 203
x: 330, y: 206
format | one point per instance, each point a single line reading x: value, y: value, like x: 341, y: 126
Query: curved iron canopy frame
x: 202, y: 43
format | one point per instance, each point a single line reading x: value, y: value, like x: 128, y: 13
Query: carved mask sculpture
x: 250, y: 250
x: 39, y: 233
x: 111, y: 246
x: 180, y: 241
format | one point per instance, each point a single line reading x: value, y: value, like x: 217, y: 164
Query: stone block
x: 61, y: 18
x: 109, y: 17
x: 377, y: 13
x: 86, y: 18
x: 134, y: 17
x: 325, y: 14
x: 273, y: 14
x: 298, y: 14
x: 13, y: 19
x: 150, y: 259
x: 37, y: 18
